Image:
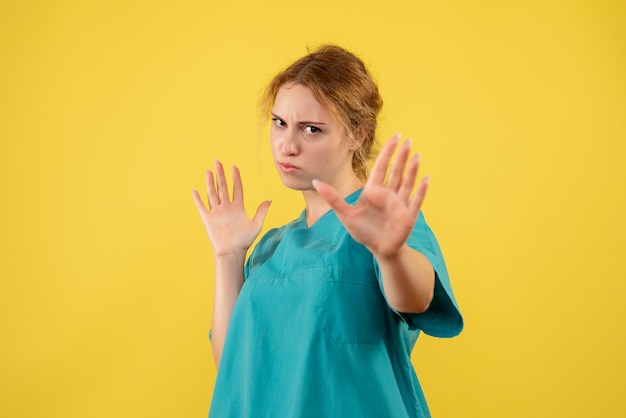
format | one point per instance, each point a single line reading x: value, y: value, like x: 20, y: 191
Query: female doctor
x: 321, y: 318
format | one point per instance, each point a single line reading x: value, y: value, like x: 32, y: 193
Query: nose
x: 289, y: 143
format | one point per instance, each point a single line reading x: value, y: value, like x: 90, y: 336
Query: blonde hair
x: 340, y: 82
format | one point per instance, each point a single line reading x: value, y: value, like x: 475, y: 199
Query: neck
x: 316, y: 206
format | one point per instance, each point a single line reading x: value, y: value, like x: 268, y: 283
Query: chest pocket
x: 353, y: 306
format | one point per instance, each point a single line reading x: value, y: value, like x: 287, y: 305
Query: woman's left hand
x: 383, y: 217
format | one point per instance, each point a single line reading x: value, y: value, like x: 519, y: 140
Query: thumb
x: 261, y: 212
x: 330, y: 195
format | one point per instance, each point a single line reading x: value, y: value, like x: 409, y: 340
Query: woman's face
x: 308, y: 142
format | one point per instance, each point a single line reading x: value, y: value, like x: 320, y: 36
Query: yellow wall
x: 111, y: 111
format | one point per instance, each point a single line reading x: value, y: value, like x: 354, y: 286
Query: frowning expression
x: 307, y: 141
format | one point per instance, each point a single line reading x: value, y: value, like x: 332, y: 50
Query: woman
x: 321, y: 319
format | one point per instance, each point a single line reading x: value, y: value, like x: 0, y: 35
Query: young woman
x: 321, y: 319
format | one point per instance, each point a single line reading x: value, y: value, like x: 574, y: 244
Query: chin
x: 297, y: 184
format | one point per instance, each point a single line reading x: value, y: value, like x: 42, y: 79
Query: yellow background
x: 111, y: 111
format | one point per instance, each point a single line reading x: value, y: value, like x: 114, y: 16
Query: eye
x: 278, y: 122
x: 310, y: 129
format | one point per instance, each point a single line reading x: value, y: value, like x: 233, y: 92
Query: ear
x: 359, y: 137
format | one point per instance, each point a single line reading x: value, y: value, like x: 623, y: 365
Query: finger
x: 397, y: 169
x: 409, y: 178
x: 198, y: 200
x: 330, y: 195
x: 222, y: 187
x: 417, y: 201
x: 261, y: 212
x: 237, y: 185
x: 210, y: 190
x: 382, y: 162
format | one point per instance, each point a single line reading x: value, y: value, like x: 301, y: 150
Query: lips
x: 287, y: 168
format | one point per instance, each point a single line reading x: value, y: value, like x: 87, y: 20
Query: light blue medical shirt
x: 311, y: 334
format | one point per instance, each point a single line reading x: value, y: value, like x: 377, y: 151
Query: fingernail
x: 408, y: 141
x: 398, y: 135
x: 315, y: 182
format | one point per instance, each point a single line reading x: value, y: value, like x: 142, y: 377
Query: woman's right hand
x: 230, y: 229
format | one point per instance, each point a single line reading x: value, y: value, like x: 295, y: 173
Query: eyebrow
x: 305, y: 122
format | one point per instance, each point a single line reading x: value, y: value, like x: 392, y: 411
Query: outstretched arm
x: 382, y: 220
x: 231, y: 233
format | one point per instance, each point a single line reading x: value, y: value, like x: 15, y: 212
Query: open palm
x: 229, y: 228
x: 384, y: 215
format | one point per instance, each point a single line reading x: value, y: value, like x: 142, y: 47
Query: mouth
x: 287, y: 168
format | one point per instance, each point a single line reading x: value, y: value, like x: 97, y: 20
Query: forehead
x: 298, y: 100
